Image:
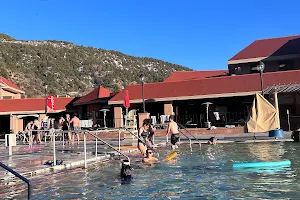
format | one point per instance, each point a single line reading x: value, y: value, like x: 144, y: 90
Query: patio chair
x: 131, y: 120
x: 153, y: 120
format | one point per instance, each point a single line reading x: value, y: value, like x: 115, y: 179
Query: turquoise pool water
x: 205, y: 174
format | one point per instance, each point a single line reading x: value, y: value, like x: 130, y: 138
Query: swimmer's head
x: 146, y: 122
x: 125, y: 162
x: 171, y: 118
x: 149, y: 152
x: 213, y: 140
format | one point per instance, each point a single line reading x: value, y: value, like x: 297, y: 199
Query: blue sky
x: 198, y: 34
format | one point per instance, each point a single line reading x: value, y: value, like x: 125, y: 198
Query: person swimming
x: 212, y: 141
x: 126, y: 172
x: 149, y: 157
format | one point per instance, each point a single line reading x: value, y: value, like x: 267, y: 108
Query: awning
x: 283, y: 88
x: 21, y: 116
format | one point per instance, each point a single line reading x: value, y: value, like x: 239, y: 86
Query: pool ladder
x: 190, y: 140
x: 104, y: 142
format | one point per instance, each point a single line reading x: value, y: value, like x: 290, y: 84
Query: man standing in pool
x: 75, y: 121
x: 173, y: 129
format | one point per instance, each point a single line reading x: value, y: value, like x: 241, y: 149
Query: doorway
x: 4, y: 125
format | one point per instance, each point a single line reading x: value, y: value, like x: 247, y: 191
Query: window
x: 237, y: 70
x: 253, y: 68
x: 286, y: 65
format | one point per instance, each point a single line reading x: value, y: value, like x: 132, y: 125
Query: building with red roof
x: 194, y: 75
x: 96, y: 95
x: 31, y: 105
x: 16, y: 113
x: 8, y: 90
x: 278, y: 54
x: 91, y: 105
x: 231, y: 92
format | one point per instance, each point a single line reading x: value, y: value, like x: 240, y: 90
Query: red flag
x: 50, y: 104
x: 126, y: 103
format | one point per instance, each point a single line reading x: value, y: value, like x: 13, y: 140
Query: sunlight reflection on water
x: 205, y: 174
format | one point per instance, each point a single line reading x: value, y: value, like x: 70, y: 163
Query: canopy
x: 263, y: 116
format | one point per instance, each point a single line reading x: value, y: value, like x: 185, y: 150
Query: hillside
x: 66, y: 67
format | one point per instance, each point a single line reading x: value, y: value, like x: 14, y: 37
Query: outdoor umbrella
x: 126, y: 103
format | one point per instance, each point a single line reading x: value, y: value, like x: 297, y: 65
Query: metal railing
x: 187, y: 138
x: 20, y: 177
x: 138, y: 139
x: 183, y: 127
x: 98, y: 138
x: 26, y: 136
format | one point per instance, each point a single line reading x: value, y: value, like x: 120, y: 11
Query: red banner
x: 51, y: 104
x: 126, y: 103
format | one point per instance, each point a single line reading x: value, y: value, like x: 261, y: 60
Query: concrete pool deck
x: 30, y: 162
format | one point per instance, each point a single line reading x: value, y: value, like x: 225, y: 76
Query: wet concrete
x: 31, y: 160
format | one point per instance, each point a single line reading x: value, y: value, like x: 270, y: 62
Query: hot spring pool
x: 200, y: 175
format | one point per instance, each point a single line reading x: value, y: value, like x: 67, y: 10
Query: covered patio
x: 289, y: 104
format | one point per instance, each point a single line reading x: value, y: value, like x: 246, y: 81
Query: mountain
x: 66, y: 67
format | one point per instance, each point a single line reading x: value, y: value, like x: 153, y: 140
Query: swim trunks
x: 76, y: 129
x: 174, y: 138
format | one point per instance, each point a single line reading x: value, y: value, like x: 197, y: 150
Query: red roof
x: 194, y: 75
x: 34, y: 104
x: 209, y: 86
x: 270, y: 47
x: 6, y: 82
x: 97, y: 93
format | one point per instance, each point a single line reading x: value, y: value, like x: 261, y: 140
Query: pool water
x: 205, y: 174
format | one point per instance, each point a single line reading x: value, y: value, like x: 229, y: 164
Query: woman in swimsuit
x: 143, y: 136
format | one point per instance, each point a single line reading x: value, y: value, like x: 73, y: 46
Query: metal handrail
x: 187, y: 138
x: 183, y: 127
x: 104, y: 143
x: 20, y: 177
x: 140, y: 140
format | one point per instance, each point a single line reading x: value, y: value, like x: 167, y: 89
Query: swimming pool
x: 202, y: 175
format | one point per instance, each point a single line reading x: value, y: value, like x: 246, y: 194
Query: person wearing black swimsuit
x: 143, y: 138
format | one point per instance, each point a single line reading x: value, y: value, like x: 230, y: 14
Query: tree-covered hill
x: 66, y: 67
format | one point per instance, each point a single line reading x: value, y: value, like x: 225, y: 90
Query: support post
x: 119, y: 141
x: 29, y: 139
x: 144, y: 107
x: 288, y: 119
x: 10, y: 150
x: 84, y: 143
x: 54, y: 153
x: 261, y: 83
x: 96, y: 151
x: 276, y: 106
x: 63, y: 137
